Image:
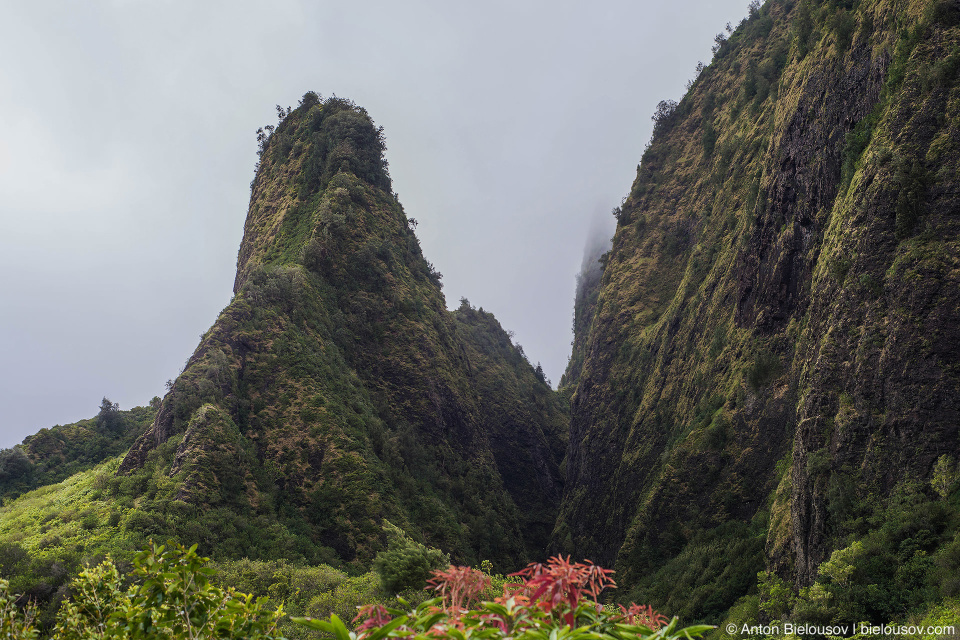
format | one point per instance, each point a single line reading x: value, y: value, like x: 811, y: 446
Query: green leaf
x: 339, y: 629
x: 695, y: 630
x: 313, y: 623
x: 427, y: 623
x: 387, y: 628
x: 494, y: 607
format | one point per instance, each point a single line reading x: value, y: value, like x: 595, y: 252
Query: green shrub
x: 90, y: 520
x: 855, y: 144
x: 870, y: 284
x: 172, y: 597
x: 944, y: 476
x: 405, y: 563
x: 943, y: 12
x: 946, y: 573
x: 910, y: 179
x: 14, y: 463
x: 15, y: 624
x: 776, y: 595
x: 803, y: 29
x: 843, y: 25
x: 945, y: 71
x: 764, y: 370
x: 839, y: 266
x: 709, y: 137
x: 347, y: 597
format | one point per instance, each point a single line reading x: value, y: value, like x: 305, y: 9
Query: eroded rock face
x: 802, y: 175
x: 880, y: 395
x: 775, y: 337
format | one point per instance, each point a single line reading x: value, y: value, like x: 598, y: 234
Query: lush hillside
x: 764, y: 389
x: 771, y: 370
x: 336, y: 391
x: 334, y: 400
x: 55, y: 454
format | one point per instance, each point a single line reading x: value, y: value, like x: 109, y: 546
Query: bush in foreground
x: 171, y: 597
x: 556, y: 600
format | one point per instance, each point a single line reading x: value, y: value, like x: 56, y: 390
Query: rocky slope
x: 775, y: 350
x: 336, y: 391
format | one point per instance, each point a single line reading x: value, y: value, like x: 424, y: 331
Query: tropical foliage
x: 558, y: 599
x: 762, y: 387
x: 171, y: 593
x: 52, y: 455
x: 171, y: 596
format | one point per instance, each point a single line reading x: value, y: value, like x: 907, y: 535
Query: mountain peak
x: 321, y: 142
x: 336, y: 389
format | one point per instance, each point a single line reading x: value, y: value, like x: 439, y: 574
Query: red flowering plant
x: 556, y: 599
x: 643, y: 615
x: 371, y: 616
x: 459, y: 587
x: 560, y: 585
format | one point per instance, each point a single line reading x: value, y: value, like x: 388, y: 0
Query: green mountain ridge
x: 336, y: 391
x: 772, y: 360
x: 759, y: 419
x: 52, y: 455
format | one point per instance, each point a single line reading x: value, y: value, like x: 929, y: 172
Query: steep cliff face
x: 775, y: 343
x: 585, y: 304
x: 336, y: 390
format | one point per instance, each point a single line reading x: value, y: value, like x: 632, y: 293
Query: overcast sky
x: 128, y: 146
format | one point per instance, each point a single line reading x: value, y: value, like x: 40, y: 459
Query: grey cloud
x: 129, y: 146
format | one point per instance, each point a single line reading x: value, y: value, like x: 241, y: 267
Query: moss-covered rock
x: 787, y: 291
x: 336, y: 390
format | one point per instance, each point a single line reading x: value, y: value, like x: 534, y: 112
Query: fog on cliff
x: 129, y: 144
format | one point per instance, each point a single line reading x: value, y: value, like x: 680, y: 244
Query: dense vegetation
x: 171, y: 594
x: 49, y: 535
x: 758, y: 422
x: 55, y: 454
x: 767, y: 382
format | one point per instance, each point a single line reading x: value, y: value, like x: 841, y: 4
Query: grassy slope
x: 54, y: 454
x: 47, y: 534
